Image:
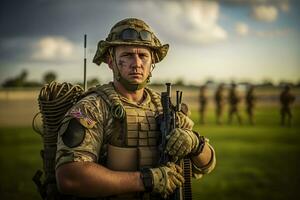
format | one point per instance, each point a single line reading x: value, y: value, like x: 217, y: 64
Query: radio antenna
x: 84, y: 64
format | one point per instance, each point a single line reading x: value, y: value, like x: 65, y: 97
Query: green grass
x: 253, y: 162
x: 19, y: 159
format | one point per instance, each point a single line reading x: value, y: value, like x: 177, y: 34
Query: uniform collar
x: 144, y: 103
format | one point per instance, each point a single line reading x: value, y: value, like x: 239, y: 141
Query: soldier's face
x: 134, y: 62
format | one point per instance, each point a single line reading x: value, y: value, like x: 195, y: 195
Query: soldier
x: 250, y: 100
x: 286, y: 99
x: 234, y: 100
x: 202, y: 103
x: 108, y: 142
x: 219, y: 100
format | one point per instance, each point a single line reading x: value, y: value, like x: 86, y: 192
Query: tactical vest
x: 134, y: 141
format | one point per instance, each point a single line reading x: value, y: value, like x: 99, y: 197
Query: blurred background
x: 245, y: 42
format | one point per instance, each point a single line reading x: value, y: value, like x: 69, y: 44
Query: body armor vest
x: 137, y: 133
x: 142, y: 133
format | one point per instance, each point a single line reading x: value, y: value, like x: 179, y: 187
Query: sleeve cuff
x: 74, y: 157
x: 199, y: 171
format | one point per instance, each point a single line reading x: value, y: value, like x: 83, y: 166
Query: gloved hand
x: 181, y: 143
x: 183, y: 121
x: 166, y: 179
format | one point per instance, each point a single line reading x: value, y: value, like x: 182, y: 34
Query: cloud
x: 265, y: 13
x: 241, y: 28
x: 252, y: 2
x: 273, y: 33
x: 186, y: 21
x: 53, y: 48
x: 263, y: 10
x: 284, y: 6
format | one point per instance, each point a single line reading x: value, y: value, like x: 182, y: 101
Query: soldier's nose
x: 137, y: 61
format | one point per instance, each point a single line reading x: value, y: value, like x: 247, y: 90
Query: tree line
x: 21, y: 80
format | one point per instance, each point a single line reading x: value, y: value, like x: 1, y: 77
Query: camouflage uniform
x: 101, y: 129
x: 250, y: 100
x: 234, y: 100
x: 219, y: 100
x: 286, y: 99
x: 113, y: 131
x: 203, y: 103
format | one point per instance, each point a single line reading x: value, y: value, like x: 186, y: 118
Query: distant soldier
x: 219, y: 100
x: 286, y: 99
x: 234, y: 100
x: 250, y: 101
x: 203, y: 103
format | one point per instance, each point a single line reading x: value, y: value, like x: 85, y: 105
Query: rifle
x: 168, y: 123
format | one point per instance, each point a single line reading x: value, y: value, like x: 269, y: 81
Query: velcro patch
x: 74, y: 134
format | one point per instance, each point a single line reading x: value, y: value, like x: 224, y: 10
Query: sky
x: 229, y: 40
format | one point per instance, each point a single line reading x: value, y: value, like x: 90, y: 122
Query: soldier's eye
x: 143, y: 55
x: 126, y: 55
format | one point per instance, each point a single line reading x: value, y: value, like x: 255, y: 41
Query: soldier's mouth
x: 135, y: 74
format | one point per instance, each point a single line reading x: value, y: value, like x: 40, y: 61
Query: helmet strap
x: 116, y: 72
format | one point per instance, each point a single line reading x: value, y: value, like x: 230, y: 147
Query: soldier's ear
x: 152, y: 57
x: 109, y: 61
x: 152, y: 62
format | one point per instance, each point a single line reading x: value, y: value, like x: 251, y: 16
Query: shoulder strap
x: 111, y: 98
x: 100, y: 93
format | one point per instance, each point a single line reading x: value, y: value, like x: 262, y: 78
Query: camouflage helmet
x: 131, y: 31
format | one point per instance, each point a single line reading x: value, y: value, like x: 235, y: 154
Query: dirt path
x: 18, y: 107
x: 17, y: 112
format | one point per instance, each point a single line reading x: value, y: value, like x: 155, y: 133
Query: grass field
x: 253, y: 162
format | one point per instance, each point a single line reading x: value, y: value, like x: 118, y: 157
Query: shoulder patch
x: 84, y: 120
x: 74, y: 134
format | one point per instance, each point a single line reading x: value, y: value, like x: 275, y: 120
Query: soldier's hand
x: 166, y: 179
x: 184, y: 121
x: 181, y: 143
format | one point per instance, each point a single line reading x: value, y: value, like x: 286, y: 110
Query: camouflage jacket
x: 94, y: 113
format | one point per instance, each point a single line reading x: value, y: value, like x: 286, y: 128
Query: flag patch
x: 84, y: 120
